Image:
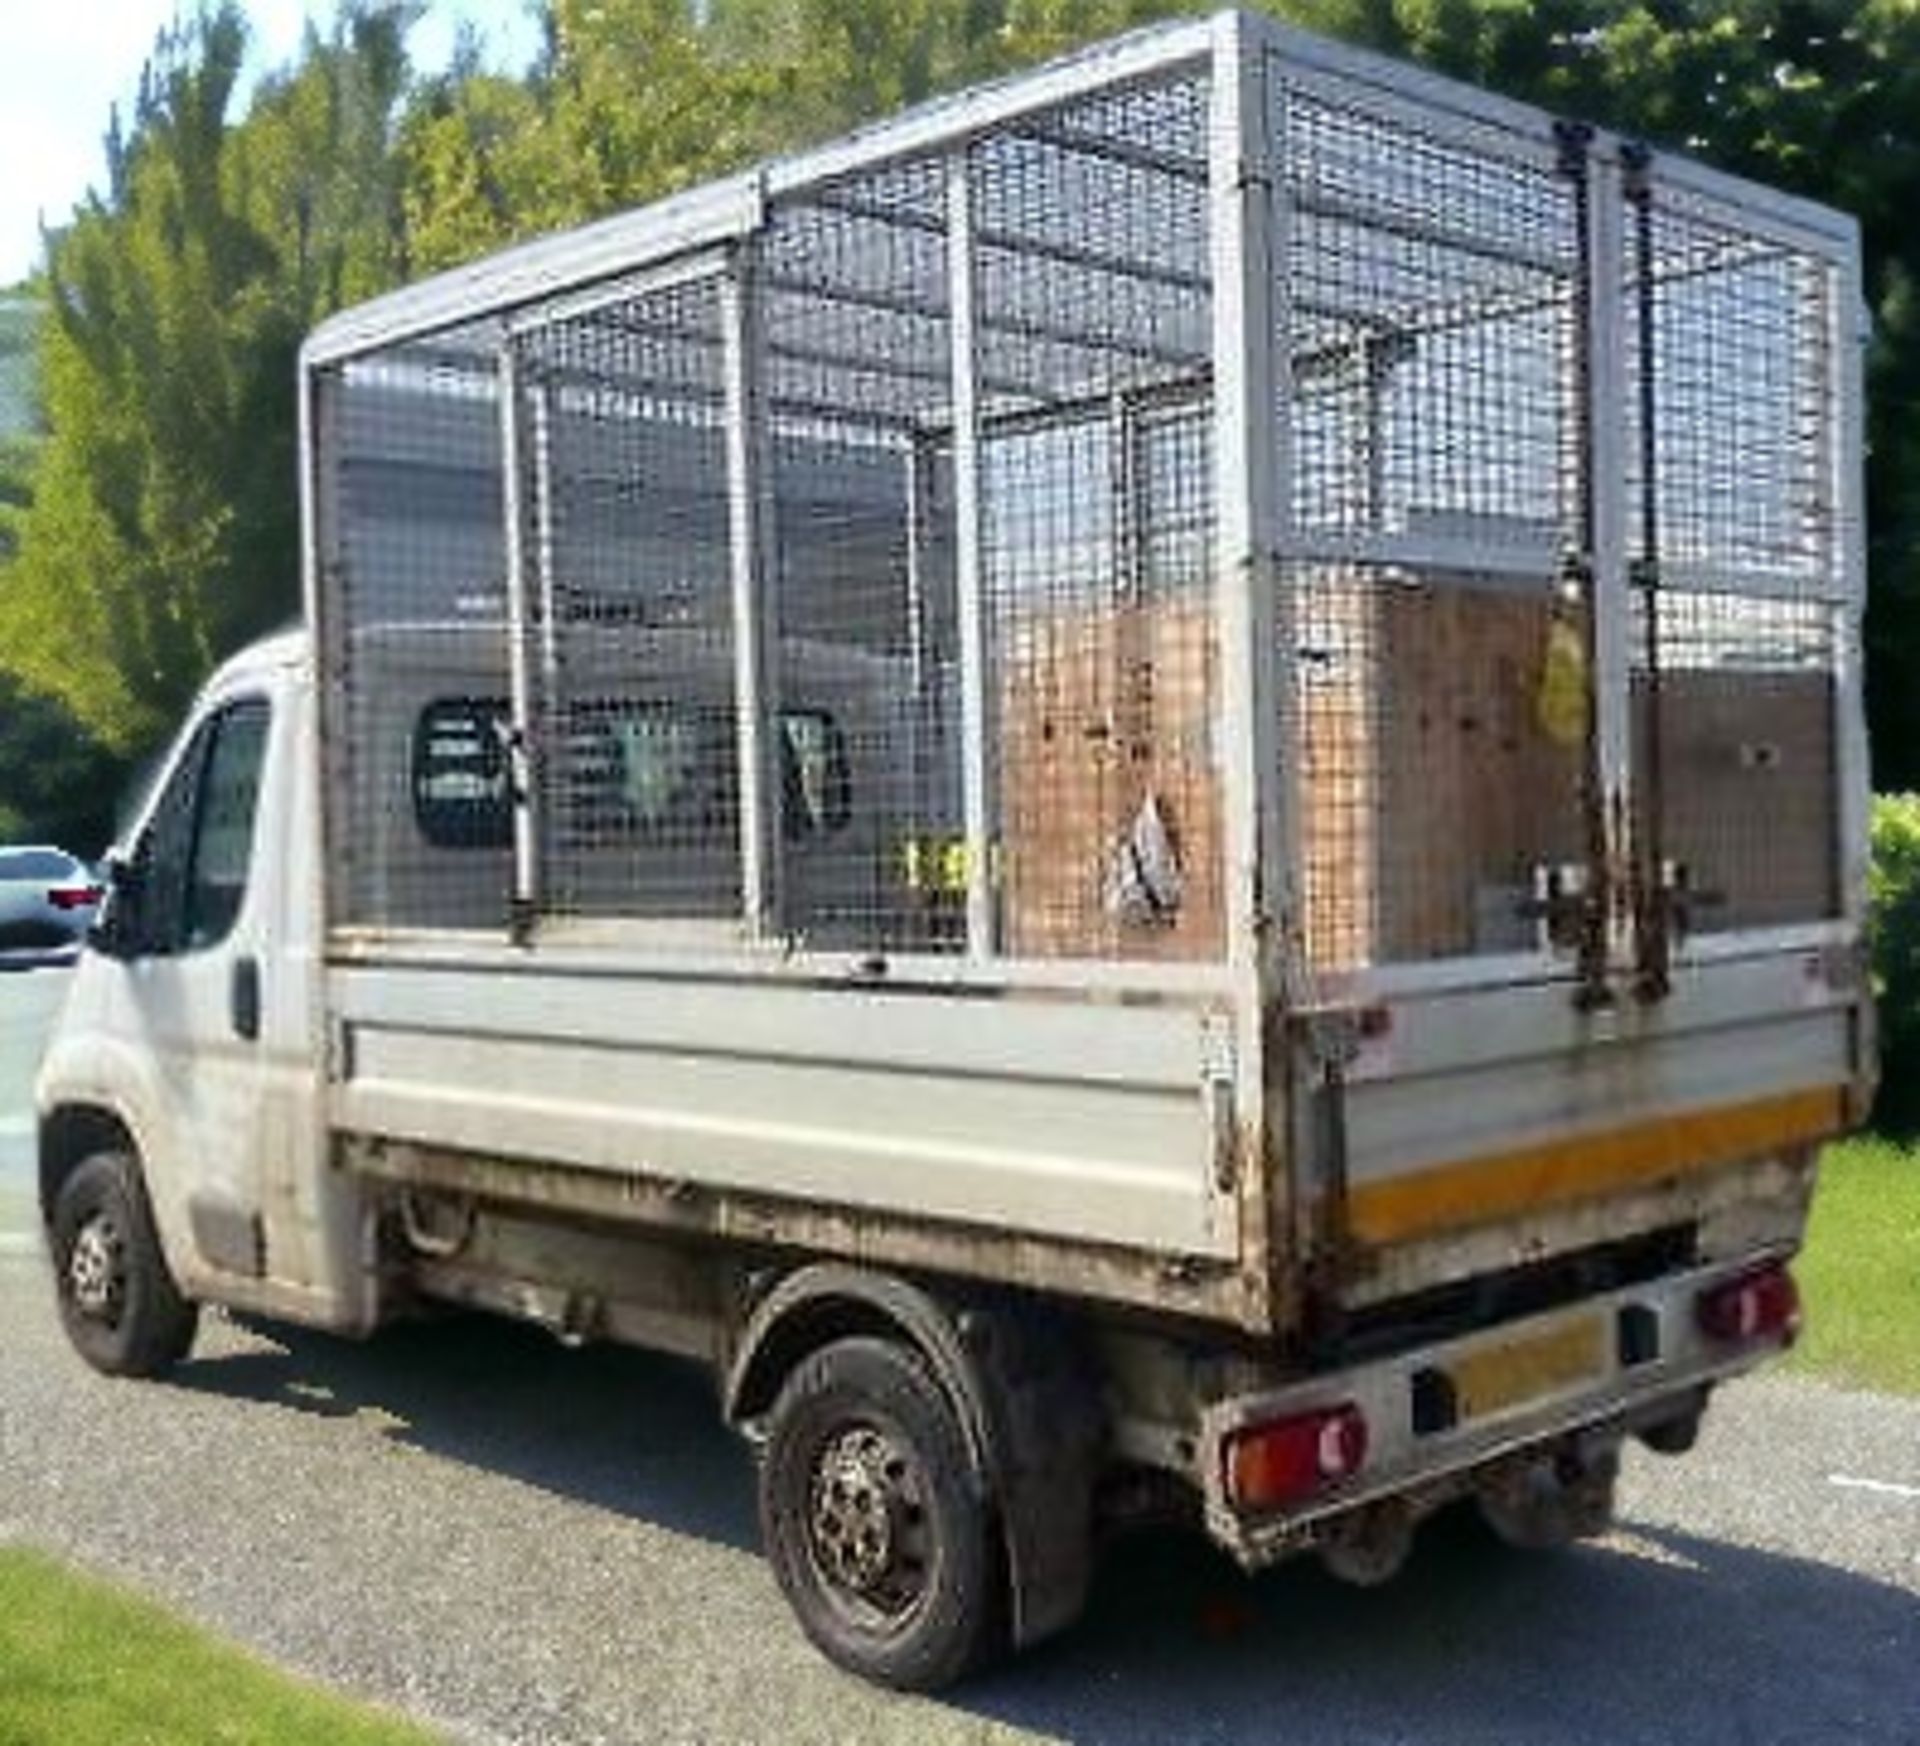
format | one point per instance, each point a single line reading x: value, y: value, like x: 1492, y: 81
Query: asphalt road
x: 526, y: 1544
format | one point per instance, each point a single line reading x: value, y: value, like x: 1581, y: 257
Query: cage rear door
x: 1563, y: 612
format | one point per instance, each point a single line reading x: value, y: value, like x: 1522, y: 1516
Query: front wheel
x: 118, y: 1301
x: 873, y: 1520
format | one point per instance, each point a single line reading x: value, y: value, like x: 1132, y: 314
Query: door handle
x: 243, y: 1001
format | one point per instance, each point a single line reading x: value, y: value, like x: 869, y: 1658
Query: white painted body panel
x: 1067, y: 1119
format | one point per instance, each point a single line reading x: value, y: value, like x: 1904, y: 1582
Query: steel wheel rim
x: 869, y: 1533
x: 96, y: 1270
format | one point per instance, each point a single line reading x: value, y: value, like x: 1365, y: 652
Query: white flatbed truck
x: 1149, y: 786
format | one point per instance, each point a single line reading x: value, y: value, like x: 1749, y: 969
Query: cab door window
x: 194, y: 857
x: 223, y: 825
x: 165, y: 849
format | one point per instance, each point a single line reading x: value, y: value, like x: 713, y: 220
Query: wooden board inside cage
x: 1750, y: 788
x: 1431, y: 785
x: 1101, y: 712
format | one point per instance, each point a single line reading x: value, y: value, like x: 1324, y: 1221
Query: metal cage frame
x: 719, y: 235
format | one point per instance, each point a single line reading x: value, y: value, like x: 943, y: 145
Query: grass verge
x: 1860, y: 1271
x: 86, y: 1663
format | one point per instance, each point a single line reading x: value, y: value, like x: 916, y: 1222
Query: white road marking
x: 1884, y: 1487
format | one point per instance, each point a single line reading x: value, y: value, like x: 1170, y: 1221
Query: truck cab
x: 190, y: 1040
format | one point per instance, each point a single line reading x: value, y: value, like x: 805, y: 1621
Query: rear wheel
x: 873, y: 1521
x: 118, y: 1301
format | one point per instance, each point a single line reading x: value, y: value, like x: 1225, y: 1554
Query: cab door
x: 192, y: 999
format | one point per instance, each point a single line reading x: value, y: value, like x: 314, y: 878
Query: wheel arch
x: 1024, y: 1393
x: 816, y: 1305
x: 69, y: 1134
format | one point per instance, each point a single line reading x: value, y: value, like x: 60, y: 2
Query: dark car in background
x: 48, y: 900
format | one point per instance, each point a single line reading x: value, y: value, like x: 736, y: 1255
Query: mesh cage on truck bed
x: 1221, y: 513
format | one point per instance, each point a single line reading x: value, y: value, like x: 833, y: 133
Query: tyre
x: 873, y: 1518
x: 118, y: 1301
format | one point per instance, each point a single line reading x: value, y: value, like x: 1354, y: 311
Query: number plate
x: 1497, y: 1377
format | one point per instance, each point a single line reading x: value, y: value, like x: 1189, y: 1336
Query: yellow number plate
x: 1521, y: 1370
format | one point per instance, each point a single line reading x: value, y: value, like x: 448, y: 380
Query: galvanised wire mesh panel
x: 1090, y: 278
x: 1104, y: 689
x: 1740, y: 712
x: 414, y: 569
x: 1092, y: 239
x: 865, y: 670
x: 856, y: 300
x: 1434, y: 803
x: 1103, y: 657
x: 635, y: 743
x: 1429, y: 342
x: 1431, y: 329
x: 865, y: 662
x: 1737, y: 566
x: 1739, y: 344
x: 1049, y: 559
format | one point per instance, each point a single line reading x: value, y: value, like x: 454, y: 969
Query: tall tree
x: 313, y: 166
x: 58, y: 783
x: 164, y: 521
x: 465, y: 154
x: 139, y: 560
x: 826, y: 64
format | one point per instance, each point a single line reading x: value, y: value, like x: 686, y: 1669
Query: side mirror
x: 119, y: 929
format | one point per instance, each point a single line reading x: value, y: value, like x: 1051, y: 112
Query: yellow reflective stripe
x: 1479, y: 1190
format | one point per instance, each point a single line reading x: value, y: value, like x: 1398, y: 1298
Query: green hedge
x: 1895, y: 890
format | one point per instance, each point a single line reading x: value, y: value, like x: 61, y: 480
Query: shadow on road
x: 633, y: 1432
x: 1654, y: 1636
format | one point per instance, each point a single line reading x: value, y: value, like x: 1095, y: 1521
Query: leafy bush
x: 58, y: 783
x: 1894, y: 885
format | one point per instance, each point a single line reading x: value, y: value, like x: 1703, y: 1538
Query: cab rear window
x: 642, y: 767
x: 460, y: 798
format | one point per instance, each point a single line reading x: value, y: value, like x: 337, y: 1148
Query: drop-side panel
x: 1096, y: 1123
x: 1470, y: 1110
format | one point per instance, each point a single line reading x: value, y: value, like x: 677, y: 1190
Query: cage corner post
x: 1257, y: 722
x: 323, y: 578
x: 1250, y: 431
x: 524, y: 763
x: 751, y: 571
x: 963, y: 292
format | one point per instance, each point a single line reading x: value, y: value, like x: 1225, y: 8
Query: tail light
x: 75, y: 896
x: 1761, y: 1305
x: 1269, y: 1465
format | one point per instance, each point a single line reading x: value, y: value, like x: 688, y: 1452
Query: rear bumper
x: 1642, y: 1360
